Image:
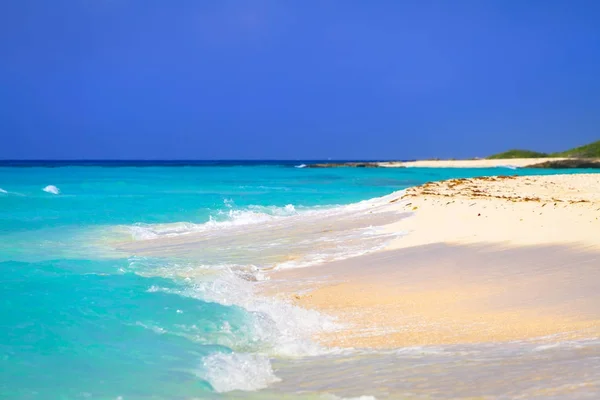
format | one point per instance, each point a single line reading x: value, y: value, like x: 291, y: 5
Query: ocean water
x: 137, y: 281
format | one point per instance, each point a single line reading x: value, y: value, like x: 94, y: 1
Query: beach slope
x: 484, y: 260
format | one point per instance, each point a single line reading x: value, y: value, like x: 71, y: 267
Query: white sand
x: 480, y: 163
x: 488, y: 259
x: 554, y: 209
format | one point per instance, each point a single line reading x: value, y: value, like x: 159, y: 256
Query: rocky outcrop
x: 345, y: 164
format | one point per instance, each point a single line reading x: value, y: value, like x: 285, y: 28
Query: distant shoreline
x: 542, y: 162
x: 479, y: 163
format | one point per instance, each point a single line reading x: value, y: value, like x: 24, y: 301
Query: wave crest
x: 222, y: 219
x: 51, y: 189
x: 276, y: 327
x: 273, y: 237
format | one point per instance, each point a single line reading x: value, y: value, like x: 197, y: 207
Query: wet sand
x: 484, y: 260
x: 445, y: 294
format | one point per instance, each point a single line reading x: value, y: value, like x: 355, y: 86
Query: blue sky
x: 149, y: 79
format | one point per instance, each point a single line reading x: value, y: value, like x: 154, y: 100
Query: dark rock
x: 345, y: 164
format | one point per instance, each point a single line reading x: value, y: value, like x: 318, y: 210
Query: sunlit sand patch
x: 455, y: 294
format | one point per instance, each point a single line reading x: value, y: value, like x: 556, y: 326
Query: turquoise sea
x: 105, y: 296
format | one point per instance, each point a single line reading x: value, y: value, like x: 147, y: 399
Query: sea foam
x: 222, y: 219
x: 3, y: 191
x: 276, y: 326
x: 273, y: 237
x: 233, y: 249
x: 237, y: 371
x: 51, y: 189
x: 255, y: 215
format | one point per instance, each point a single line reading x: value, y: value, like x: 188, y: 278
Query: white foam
x: 276, y: 327
x: 281, y: 328
x: 254, y: 215
x: 300, y: 166
x: 51, y: 189
x: 237, y: 371
x: 567, y: 344
x: 229, y: 218
x: 274, y: 237
x: 3, y: 191
x: 230, y: 261
x: 287, y: 210
x: 156, y: 329
x: 154, y: 231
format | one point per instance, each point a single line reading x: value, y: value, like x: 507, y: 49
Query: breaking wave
x: 223, y: 219
x: 51, y: 189
x: 253, y: 215
x: 230, y: 254
x: 237, y: 371
x: 276, y: 327
x: 267, y: 327
x: 269, y: 236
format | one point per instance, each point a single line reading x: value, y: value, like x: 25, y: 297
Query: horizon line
x: 194, y: 160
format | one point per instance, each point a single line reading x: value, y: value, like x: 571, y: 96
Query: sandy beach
x: 483, y: 260
x: 477, y: 163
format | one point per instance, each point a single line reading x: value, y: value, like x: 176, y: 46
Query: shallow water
x: 139, y: 283
x: 527, y: 370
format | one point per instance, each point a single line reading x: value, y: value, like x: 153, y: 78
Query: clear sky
x: 296, y: 79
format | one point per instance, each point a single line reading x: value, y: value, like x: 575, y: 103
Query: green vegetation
x: 591, y: 150
x: 518, y: 154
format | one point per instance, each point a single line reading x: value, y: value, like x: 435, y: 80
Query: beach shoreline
x: 484, y: 260
x: 475, y: 163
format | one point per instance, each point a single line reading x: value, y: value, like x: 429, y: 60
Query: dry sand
x: 479, y: 163
x: 486, y: 259
x: 534, y: 210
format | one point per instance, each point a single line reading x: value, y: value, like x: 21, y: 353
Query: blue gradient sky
x: 296, y: 79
